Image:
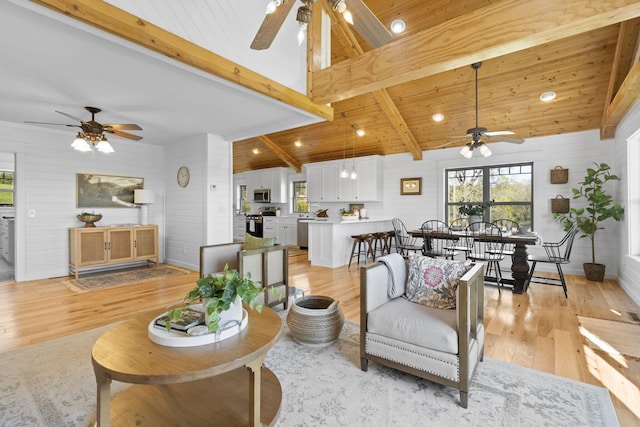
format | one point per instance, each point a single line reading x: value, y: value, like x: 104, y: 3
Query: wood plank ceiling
x: 586, y: 69
x: 585, y: 50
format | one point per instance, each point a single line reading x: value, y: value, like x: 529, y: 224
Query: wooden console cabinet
x: 98, y: 246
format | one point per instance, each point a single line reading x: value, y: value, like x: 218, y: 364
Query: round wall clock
x: 183, y: 176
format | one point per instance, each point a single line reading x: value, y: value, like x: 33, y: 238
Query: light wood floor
x: 536, y: 330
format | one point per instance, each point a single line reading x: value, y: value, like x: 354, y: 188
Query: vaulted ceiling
x: 527, y: 48
x: 586, y: 51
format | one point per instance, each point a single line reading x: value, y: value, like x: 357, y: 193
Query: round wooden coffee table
x: 220, y: 384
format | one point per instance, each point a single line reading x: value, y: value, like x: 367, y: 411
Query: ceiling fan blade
x: 505, y: 139
x: 55, y: 124
x: 124, y: 134
x: 69, y: 115
x: 368, y: 25
x: 122, y: 126
x: 271, y: 25
x: 499, y: 132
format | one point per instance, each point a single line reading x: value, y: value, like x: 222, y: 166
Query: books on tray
x: 188, y: 319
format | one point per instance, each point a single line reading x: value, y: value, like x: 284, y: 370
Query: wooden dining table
x: 519, y: 265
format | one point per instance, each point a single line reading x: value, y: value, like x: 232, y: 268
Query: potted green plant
x: 219, y: 293
x: 600, y: 207
x: 474, y: 211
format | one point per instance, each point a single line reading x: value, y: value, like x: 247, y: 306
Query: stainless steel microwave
x: 262, y: 196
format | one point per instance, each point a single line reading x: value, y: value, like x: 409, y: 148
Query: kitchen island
x: 330, y: 241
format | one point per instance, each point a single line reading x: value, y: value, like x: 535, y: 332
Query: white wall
x: 628, y: 265
x: 46, y: 168
x: 197, y: 214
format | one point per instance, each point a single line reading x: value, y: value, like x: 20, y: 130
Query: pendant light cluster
x: 344, y: 173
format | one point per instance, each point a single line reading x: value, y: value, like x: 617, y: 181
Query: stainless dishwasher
x: 303, y: 232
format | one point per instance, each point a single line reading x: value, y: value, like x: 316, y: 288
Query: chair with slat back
x: 404, y: 242
x: 558, y: 254
x: 485, y: 241
x: 436, y: 247
x: 507, y: 226
x: 457, y: 244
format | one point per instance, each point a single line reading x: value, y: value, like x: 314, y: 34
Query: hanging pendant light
x: 353, y: 174
x: 344, y: 173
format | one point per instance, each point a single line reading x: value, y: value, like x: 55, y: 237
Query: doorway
x: 7, y: 216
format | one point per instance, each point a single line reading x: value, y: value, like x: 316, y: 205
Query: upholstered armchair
x: 440, y: 345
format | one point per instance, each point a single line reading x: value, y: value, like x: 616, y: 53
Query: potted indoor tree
x: 474, y: 211
x: 219, y: 294
x: 599, y: 208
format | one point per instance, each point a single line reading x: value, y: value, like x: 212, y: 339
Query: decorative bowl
x: 89, y: 219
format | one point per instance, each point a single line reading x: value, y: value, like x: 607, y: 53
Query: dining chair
x: 558, y: 254
x: 404, y: 242
x: 486, y: 246
x: 436, y: 246
x: 456, y: 243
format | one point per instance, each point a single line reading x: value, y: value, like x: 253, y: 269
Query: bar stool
x: 390, y: 240
x: 379, y: 243
x: 361, y: 246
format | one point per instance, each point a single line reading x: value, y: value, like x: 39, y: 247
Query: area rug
x: 52, y: 384
x: 611, y: 336
x: 122, y: 278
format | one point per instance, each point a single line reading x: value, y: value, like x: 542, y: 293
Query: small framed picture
x: 410, y: 186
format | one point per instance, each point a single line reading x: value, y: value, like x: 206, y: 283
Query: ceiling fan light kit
x: 92, y: 136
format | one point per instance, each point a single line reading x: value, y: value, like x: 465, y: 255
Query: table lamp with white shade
x: 142, y: 198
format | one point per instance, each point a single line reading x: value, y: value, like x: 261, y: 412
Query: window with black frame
x: 509, y: 187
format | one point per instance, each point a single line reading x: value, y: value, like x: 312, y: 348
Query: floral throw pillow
x: 433, y: 282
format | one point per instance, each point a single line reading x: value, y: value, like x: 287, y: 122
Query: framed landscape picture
x: 410, y: 186
x: 97, y: 191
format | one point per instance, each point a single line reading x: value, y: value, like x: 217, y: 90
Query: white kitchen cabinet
x: 325, y: 185
x: 270, y: 227
x: 274, y: 179
x: 322, y: 182
x: 287, y: 231
x: 239, y: 228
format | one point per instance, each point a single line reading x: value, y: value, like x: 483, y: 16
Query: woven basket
x: 315, y: 321
x: 559, y: 175
x: 560, y: 205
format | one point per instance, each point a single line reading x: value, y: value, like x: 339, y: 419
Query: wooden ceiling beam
x: 623, y: 60
x: 462, y: 41
x: 290, y: 161
x: 120, y: 23
x: 352, y: 47
x: 627, y: 96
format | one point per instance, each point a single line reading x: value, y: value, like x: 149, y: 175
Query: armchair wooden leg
x: 464, y: 399
x: 364, y: 364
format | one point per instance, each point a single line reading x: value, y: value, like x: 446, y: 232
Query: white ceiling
x: 50, y: 62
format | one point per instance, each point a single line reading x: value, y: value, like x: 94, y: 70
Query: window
x: 300, y: 201
x: 632, y: 211
x: 510, y: 187
x: 6, y: 188
x: 245, y: 205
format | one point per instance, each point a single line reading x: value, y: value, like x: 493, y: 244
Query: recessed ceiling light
x: 298, y: 144
x: 360, y: 132
x: 255, y: 151
x: 548, y: 96
x: 398, y: 26
x: 437, y: 117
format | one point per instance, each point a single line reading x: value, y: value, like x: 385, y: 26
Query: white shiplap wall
x: 46, y: 168
x: 197, y: 215
x: 575, y: 151
x: 628, y: 265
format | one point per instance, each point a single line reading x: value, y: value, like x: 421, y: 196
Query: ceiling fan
x: 357, y: 14
x: 480, y: 135
x: 92, y: 134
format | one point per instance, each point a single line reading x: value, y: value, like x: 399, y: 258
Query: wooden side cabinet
x: 102, y: 246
